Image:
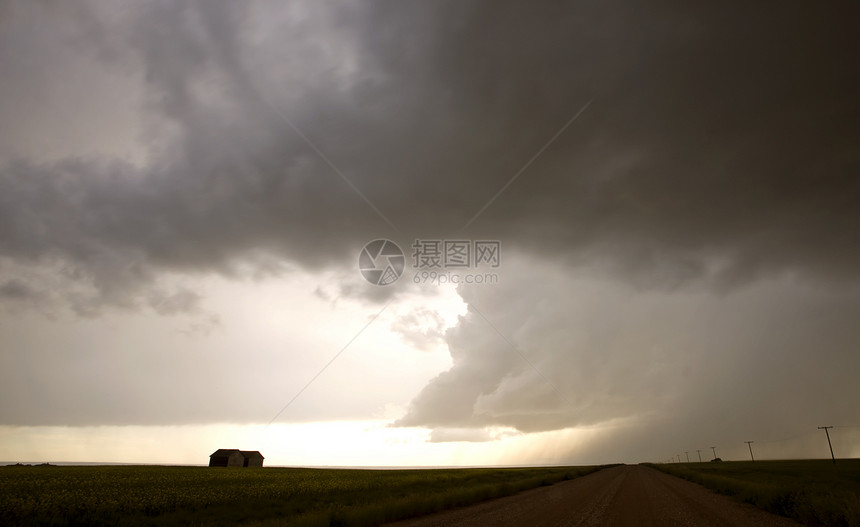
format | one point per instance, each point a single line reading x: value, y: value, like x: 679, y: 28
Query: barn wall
x: 227, y: 458
x: 235, y: 460
x: 219, y: 461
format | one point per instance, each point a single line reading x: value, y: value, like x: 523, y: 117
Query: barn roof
x: 224, y: 452
x: 230, y: 451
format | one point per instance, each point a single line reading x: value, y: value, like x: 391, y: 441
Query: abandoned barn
x: 233, y: 457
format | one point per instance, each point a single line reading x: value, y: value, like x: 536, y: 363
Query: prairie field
x: 144, y: 495
x: 813, y: 491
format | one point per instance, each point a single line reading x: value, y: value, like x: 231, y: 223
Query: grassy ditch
x: 814, y: 492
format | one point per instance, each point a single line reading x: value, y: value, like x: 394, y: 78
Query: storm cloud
x: 717, y: 146
x: 554, y: 351
x: 695, y: 225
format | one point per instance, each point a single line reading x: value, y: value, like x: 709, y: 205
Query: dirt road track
x: 618, y: 496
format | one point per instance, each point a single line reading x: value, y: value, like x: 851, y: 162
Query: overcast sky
x: 185, y: 189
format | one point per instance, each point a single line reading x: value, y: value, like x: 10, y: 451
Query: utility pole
x: 826, y: 431
x: 700, y: 454
x: 715, y: 451
x: 688, y: 456
x: 749, y: 444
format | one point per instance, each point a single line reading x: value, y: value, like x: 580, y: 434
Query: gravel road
x: 625, y: 495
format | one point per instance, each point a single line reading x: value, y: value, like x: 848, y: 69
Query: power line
x: 787, y: 438
x: 327, y: 364
x: 749, y: 443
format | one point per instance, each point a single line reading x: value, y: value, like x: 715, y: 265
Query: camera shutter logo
x: 381, y: 262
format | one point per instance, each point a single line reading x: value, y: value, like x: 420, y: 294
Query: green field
x: 144, y: 495
x: 814, y: 492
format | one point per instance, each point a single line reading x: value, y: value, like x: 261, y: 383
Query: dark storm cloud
x: 721, y: 143
x: 717, y: 160
x: 16, y: 289
x: 553, y: 351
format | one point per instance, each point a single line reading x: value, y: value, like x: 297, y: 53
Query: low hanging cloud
x: 471, y: 435
x: 557, y: 351
x: 16, y: 290
x: 421, y: 328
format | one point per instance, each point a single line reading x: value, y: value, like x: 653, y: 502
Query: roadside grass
x: 147, y: 495
x: 814, y: 492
